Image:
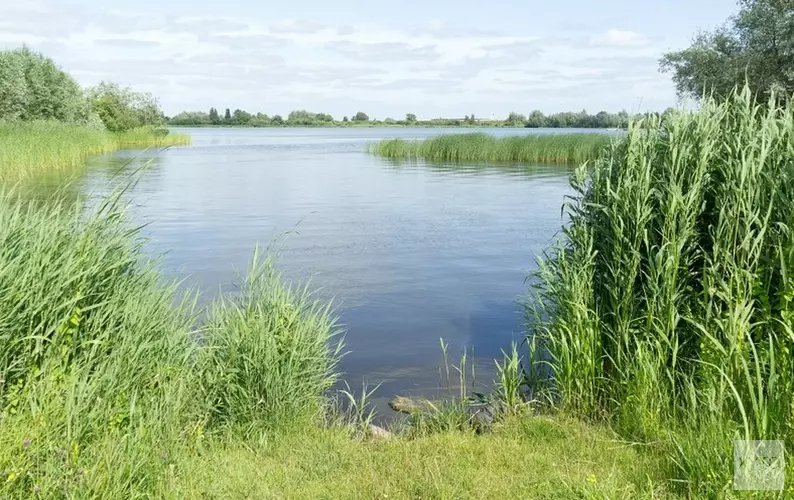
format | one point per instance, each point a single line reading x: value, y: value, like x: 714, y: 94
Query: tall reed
x: 104, y: 376
x: 668, y: 306
x: 32, y: 148
x: 480, y: 147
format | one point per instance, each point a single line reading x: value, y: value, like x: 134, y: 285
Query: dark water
x: 410, y: 253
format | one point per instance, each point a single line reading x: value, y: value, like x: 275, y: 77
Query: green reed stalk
x: 34, y: 148
x: 104, y: 377
x: 668, y: 307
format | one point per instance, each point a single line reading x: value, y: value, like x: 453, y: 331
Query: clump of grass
x: 481, y: 147
x: 105, y: 379
x: 32, y: 148
x: 147, y: 137
x: 95, y: 361
x: 270, y: 354
x: 668, y: 307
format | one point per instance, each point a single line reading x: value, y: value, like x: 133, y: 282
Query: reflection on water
x: 410, y: 252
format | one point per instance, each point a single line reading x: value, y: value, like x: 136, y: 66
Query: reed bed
x: 33, y: 148
x: 667, y: 308
x: 481, y: 147
x: 104, y: 378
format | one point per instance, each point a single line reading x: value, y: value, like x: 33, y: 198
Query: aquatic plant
x: 104, y: 375
x: 481, y: 147
x: 667, y: 308
x: 33, y: 148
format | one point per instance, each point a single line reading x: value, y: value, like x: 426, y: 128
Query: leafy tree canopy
x: 122, y: 109
x: 33, y: 87
x: 756, y: 46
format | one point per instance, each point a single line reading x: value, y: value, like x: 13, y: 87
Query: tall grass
x: 481, y: 147
x: 668, y: 307
x: 271, y: 353
x: 104, y: 377
x: 31, y: 148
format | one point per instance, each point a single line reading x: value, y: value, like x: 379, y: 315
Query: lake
x: 411, y: 253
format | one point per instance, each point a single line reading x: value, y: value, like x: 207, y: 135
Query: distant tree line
x: 303, y: 118
x: 239, y: 117
x: 33, y: 87
x: 582, y: 119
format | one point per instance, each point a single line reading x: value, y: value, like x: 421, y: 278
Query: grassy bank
x: 667, y: 310
x: 480, y: 147
x: 107, y: 392
x: 31, y: 148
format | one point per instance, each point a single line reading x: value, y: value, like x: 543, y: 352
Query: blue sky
x: 431, y: 58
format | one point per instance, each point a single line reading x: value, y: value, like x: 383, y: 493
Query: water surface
x: 410, y: 253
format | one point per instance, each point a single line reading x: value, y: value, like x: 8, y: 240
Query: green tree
x: 190, y: 118
x: 361, y: 117
x: 240, y: 117
x: 516, y: 119
x: 214, y: 116
x: 122, y: 109
x: 33, y: 87
x: 345, y: 119
x: 410, y: 118
x: 13, y: 86
x: 227, y: 117
x: 756, y: 46
x: 277, y: 120
x: 537, y: 119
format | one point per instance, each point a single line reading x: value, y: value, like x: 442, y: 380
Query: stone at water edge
x: 402, y: 404
x: 376, y: 433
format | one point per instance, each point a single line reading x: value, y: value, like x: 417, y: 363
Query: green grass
x: 32, y: 148
x: 529, y: 457
x: 480, y: 147
x: 667, y: 309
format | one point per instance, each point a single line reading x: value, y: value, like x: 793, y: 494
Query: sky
x: 387, y: 58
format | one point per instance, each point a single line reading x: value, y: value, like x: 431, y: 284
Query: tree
x: 537, y: 119
x: 345, y: 119
x: 410, y: 118
x: 191, y: 118
x: 227, y: 117
x: 32, y: 87
x: 277, y: 120
x: 516, y: 119
x: 361, y: 117
x: 756, y: 46
x: 240, y: 117
x: 122, y: 109
x: 214, y: 117
x: 13, y: 86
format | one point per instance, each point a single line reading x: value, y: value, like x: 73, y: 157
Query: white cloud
x: 273, y: 65
x: 620, y: 38
x: 301, y: 26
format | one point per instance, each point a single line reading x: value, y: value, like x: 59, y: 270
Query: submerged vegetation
x: 480, y: 147
x: 667, y: 310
